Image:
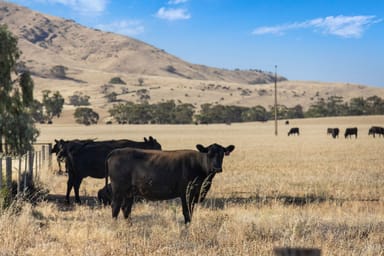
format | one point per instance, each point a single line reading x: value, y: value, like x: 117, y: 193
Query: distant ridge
x: 46, y: 40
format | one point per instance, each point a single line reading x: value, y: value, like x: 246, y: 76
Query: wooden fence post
x: 8, y: 170
x: 1, y: 172
x: 25, y: 172
x: 19, y: 176
x: 49, y: 157
x: 43, y: 152
x: 30, y: 162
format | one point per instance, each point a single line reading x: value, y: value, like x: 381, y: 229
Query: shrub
x: 116, y: 80
x: 86, y: 116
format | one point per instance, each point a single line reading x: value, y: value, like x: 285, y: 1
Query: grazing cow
x: 294, y: 130
x: 162, y: 175
x: 334, y: 132
x: 88, y: 159
x: 376, y: 130
x: 350, y: 131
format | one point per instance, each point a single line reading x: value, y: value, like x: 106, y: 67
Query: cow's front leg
x: 69, y: 187
x: 76, y: 187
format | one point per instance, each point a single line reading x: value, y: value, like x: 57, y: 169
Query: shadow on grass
x: 215, y: 202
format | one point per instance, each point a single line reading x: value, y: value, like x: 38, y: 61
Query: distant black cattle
x: 287, y: 122
x: 88, y: 159
x: 162, y: 175
x: 350, y: 131
x: 334, y: 132
x: 294, y: 130
x: 376, y: 130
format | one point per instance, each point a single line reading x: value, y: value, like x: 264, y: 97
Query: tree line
x: 171, y: 113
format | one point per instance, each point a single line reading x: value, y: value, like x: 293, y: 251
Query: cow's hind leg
x: 187, y: 211
x: 127, y: 206
x: 117, y: 201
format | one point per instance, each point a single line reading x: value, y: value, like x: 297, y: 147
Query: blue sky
x: 315, y: 40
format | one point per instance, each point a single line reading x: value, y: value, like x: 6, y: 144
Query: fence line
x: 30, y: 164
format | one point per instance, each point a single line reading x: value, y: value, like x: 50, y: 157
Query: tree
x: 116, y: 80
x: 17, y: 127
x: 184, y: 113
x: 53, y: 104
x: 59, y: 71
x: 257, y: 113
x: 86, y: 116
x: 357, y: 106
x: 78, y: 99
x: 111, y: 97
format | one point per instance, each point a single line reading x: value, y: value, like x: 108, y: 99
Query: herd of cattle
x: 349, y: 132
x: 141, y: 170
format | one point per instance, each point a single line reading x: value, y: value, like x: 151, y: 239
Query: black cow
x: 104, y: 195
x: 59, y: 146
x: 334, y: 132
x: 88, y: 159
x: 376, y: 130
x: 162, y: 175
x: 350, y: 131
x: 294, y: 130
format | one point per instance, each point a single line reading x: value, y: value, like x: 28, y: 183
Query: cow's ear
x: 145, y: 139
x: 201, y: 148
x: 150, y: 138
x: 56, y: 141
x: 229, y: 149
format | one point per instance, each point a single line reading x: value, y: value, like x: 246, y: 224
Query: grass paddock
x: 274, y: 191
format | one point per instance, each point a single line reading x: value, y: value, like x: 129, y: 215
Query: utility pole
x: 275, y: 100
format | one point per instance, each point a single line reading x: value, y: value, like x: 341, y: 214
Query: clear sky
x: 315, y: 40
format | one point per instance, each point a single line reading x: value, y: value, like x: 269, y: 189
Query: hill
x: 90, y: 58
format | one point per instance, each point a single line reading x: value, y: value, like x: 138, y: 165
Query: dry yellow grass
x: 248, y: 210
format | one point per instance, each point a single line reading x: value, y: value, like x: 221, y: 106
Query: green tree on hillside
x: 87, y: 116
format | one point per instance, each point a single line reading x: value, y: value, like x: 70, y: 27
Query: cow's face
x: 215, y: 154
x: 57, y: 147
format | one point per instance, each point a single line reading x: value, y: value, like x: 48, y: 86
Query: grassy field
x: 275, y: 191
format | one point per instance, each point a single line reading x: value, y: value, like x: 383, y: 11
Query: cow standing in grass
x: 294, y: 130
x: 376, y: 130
x: 162, y: 175
x: 334, y: 132
x: 350, y: 131
x: 88, y: 159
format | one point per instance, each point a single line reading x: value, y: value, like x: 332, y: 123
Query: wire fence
x: 29, y: 165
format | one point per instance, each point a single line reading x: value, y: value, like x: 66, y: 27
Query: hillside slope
x: 46, y: 40
x: 92, y: 57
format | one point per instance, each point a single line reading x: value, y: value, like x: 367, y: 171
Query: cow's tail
x: 107, y: 174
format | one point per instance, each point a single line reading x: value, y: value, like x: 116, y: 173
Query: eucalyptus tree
x: 17, y: 129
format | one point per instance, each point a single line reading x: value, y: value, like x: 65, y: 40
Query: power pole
x: 275, y: 101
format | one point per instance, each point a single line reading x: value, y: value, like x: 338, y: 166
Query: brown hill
x: 47, y: 40
x: 90, y: 58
